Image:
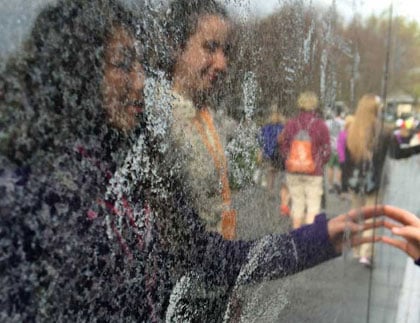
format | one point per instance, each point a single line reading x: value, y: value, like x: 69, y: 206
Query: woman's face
x: 123, y: 81
x: 203, y: 59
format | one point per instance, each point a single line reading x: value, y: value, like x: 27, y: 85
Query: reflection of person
x: 306, y: 189
x: 407, y: 226
x: 284, y: 209
x: 367, y: 148
x: 365, y: 155
x: 415, y: 140
x: 401, y: 143
x: 335, y: 125
x: 200, y: 32
x: 69, y: 112
x: 99, y: 223
x: 269, y: 138
x: 82, y: 242
x: 341, y: 151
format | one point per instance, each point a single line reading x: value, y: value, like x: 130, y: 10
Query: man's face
x: 203, y: 59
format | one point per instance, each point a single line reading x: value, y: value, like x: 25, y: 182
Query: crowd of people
x: 112, y: 166
x: 349, y: 153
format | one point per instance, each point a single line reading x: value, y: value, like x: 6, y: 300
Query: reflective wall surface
x: 183, y: 161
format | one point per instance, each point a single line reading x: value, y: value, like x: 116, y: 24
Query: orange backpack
x: 300, y: 158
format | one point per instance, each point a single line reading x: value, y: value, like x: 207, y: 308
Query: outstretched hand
x: 407, y: 227
x: 348, y: 226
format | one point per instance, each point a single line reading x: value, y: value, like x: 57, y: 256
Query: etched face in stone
x: 123, y: 81
x: 203, y: 59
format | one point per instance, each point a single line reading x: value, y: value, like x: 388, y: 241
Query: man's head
x: 307, y: 101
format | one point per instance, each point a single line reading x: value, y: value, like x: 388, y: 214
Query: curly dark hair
x: 60, y: 74
x: 56, y: 260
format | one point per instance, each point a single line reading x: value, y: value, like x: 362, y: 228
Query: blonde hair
x: 307, y: 100
x: 276, y: 117
x: 363, y: 130
x: 348, y: 121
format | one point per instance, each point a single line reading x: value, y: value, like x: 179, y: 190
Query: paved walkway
x: 340, y: 290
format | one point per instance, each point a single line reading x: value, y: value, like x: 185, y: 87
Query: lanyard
x: 203, y: 121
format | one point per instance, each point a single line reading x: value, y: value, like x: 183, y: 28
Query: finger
x: 392, y: 212
x: 366, y: 211
x: 395, y: 243
x: 373, y: 225
x: 363, y: 226
x: 355, y: 241
x: 390, y: 225
x: 408, y: 232
x: 353, y: 227
x: 401, y: 215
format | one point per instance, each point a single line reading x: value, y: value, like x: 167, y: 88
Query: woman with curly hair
x: 70, y: 110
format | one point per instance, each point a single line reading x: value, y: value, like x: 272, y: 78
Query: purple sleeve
x: 312, y: 243
x: 417, y: 262
x: 270, y: 257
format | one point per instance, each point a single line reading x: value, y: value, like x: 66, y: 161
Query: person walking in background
x: 366, y: 149
x: 415, y: 139
x: 402, y: 144
x: 335, y: 126
x: 365, y: 155
x: 306, y: 149
x: 284, y: 208
x: 270, y: 153
x: 341, y: 152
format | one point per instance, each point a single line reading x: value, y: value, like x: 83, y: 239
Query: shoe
x: 365, y: 261
x: 284, y: 210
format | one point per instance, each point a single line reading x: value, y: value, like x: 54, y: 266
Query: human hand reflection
x: 347, y: 228
x: 407, y: 227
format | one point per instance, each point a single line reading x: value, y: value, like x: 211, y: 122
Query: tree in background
x: 301, y: 46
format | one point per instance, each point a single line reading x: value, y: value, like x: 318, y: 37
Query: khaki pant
x: 306, y: 193
x: 366, y: 249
